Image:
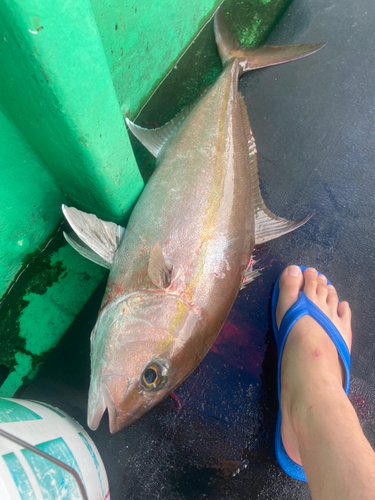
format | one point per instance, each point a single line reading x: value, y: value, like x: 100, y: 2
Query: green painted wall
x: 142, y: 40
x: 29, y: 200
x: 43, y: 302
x: 57, y: 89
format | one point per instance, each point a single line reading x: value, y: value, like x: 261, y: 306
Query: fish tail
x: 230, y: 48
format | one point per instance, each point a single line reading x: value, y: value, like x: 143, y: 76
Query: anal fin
x: 268, y: 226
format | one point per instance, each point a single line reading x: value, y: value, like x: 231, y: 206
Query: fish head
x: 141, y: 350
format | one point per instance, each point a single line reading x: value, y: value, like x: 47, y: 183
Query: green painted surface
x: 42, y: 304
x: 57, y: 88
x: 29, y: 211
x: 20, y: 365
x: 42, y: 309
x: 55, y: 482
x: 142, y: 40
x: 22, y: 483
x: 10, y: 411
x: 70, y: 69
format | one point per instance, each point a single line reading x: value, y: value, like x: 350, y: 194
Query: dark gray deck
x: 313, y: 121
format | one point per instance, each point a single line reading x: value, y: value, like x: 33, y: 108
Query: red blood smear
x: 111, y: 293
x: 360, y: 406
x: 240, y: 345
x: 177, y: 400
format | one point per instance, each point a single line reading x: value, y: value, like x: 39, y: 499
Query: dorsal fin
x: 267, y: 225
x: 102, y: 237
x: 155, y: 139
x: 158, y: 270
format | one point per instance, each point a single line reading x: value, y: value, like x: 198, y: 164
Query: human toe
x: 344, y: 310
x: 345, y: 315
x: 310, y: 276
x: 290, y: 283
x: 322, y: 280
x: 332, y: 297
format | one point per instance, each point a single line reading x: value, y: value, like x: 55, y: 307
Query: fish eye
x: 154, y: 376
x: 150, y: 375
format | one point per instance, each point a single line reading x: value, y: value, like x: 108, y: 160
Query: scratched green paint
x: 22, y: 367
x: 21, y: 481
x: 44, y: 301
x: 10, y: 411
x: 42, y: 308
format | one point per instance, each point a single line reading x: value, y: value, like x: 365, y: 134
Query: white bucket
x: 24, y: 475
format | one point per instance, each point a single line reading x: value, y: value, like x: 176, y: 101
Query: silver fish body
x: 187, y: 248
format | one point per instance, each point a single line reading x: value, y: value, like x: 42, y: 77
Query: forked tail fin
x: 229, y: 48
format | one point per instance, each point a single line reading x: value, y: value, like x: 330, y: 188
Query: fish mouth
x: 112, y: 410
x: 112, y: 391
x: 95, y: 413
x: 123, y: 413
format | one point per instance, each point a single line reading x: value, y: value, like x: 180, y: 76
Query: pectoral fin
x: 101, y: 237
x: 158, y: 270
x: 84, y: 250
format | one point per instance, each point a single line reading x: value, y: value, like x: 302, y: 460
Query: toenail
x: 311, y: 269
x: 331, y: 287
x: 294, y: 271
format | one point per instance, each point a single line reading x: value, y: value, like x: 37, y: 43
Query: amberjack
x: 187, y: 249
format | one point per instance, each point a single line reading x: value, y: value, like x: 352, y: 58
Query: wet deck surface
x: 313, y: 121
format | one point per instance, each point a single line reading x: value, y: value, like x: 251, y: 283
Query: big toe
x: 290, y: 283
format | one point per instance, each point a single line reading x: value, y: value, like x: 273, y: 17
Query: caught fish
x: 187, y: 249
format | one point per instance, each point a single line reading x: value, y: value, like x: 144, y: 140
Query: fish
x: 187, y: 248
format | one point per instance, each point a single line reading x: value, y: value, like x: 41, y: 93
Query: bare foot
x: 310, y: 360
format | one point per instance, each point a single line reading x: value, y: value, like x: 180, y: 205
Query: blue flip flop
x: 302, y: 307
